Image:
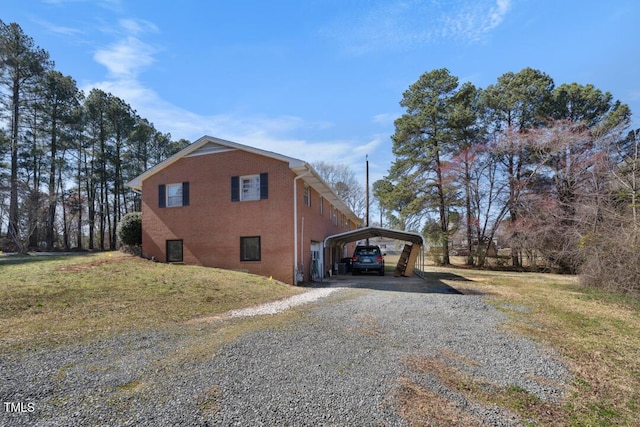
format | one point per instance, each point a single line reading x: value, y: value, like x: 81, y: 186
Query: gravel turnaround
x: 336, y: 360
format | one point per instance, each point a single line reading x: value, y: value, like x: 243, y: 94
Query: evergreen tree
x: 423, y: 143
x: 59, y: 102
x: 22, y: 64
x: 516, y: 103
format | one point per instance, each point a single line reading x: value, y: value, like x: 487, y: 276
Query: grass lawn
x: 596, y: 332
x: 51, y: 300
x: 48, y: 301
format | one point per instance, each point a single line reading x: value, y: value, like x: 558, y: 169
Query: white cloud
x: 115, y: 5
x: 126, y: 58
x: 498, y: 14
x: 266, y: 132
x: 402, y: 25
x: 386, y: 118
x: 129, y: 56
x: 138, y: 26
x: 59, y: 29
x: 473, y: 20
x: 129, y: 89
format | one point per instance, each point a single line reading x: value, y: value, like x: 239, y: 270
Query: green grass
x: 57, y: 300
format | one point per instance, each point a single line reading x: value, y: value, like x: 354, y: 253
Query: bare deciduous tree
x: 344, y: 183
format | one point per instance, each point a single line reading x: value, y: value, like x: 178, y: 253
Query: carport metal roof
x: 368, y: 232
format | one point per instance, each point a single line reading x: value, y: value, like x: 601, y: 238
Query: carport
x: 411, y: 259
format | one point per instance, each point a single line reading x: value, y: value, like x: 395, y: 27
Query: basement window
x: 174, y: 250
x: 250, y: 248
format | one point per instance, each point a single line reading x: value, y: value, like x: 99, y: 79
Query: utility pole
x: 367, y: 201
x: 367, y: 221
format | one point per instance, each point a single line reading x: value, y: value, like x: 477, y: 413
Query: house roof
x: 210, y: 145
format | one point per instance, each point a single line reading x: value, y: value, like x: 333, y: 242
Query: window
x: 321, y: 203
x: 174, y: 250
x: 172, y: 195
x: 307, y: 196
x: 249, y: 187
x: 250, y: 248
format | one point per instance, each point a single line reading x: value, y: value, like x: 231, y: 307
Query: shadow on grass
x: 17, y: 259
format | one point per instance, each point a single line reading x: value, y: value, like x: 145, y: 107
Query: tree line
x: 65, y: 155
x: 553, y: 170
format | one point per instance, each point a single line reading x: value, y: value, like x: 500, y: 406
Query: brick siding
x: 211, y: 226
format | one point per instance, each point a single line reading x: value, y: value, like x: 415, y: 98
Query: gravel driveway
x: 336, y: 357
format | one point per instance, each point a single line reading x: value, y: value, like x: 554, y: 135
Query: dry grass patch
x: 510, y: 399
x: 55, y: 300
x: 423, y: 407
x: 209, y: 401
x: 132, y: 386
x: 596, y: 332
x: 368, y: 325
x: 204, y: 340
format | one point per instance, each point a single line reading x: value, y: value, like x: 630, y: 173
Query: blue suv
x: 367, y: 258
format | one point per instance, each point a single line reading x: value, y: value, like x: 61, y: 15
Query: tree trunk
x: 513, y: 216
x: 117, y: 191
x: 467, y: 195
x: 79, y: 201
x: 53, y: 197
x: 92, y: 224
x: 13, y: 232
x: 65, y: 224
x: 444, y: 223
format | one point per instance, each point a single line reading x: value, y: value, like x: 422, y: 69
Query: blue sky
x: 321, y: 79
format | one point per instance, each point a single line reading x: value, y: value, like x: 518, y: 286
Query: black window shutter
x: 264, y: 186
x: 235, y: 188
x: 185, y: 194
x: 162, y: 196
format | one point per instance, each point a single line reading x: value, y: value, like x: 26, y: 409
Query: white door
x: 316, y: 262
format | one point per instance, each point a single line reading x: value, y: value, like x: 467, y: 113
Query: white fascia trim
x: 136, y: 183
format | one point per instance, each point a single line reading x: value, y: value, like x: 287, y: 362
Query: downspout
x: 296, y: 273
x: 324, y: 258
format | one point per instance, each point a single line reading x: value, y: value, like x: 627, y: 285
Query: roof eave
x: 317, y: 183
x: 136, y: 183
x: 298, y: 166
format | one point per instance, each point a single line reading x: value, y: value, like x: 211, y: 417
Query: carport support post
x: 331, y: 258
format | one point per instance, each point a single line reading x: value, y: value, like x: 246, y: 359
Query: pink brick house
x: 222, y: 204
